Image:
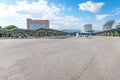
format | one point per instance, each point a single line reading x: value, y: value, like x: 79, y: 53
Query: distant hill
x: 71, y: 30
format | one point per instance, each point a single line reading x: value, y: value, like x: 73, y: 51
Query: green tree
x: 116, y: 33
x: 10, y: 27
x: 0, y: 27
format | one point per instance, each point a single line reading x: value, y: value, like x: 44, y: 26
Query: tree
x: 9, y: 27
x: 0, y: 27
x: 116, y: 33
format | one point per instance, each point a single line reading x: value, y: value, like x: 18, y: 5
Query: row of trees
x: 9, y: 27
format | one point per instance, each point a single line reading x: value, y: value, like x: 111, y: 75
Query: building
x: 108, y: 25
x: 88, y: 27
x: 36, y: 24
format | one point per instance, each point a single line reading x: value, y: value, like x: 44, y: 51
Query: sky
x: 62, y: 14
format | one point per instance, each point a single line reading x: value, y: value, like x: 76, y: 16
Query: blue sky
x: 63, y: 14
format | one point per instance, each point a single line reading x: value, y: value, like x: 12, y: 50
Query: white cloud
x: 67, y: 22
x: 37, y: 10
x: 41, y: 8
x: 90, y: 6
x: 102, y: 16
x: 6, y: 10
x: 116, y: 12
x: 117, y: 21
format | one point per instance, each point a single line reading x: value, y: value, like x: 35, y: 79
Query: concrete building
x: 36, y: 24
x: 87, y: 27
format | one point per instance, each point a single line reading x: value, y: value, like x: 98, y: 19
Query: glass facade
x: 37, y: 26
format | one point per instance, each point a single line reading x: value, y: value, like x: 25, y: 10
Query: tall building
x: 88, y: 28
x: 36, y: 24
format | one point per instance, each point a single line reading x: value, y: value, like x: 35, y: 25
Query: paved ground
x: 97, y: 58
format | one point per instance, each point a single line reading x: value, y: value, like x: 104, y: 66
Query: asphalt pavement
x: 76, y: 58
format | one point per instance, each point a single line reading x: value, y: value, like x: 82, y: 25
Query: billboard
x: 108, y: 25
